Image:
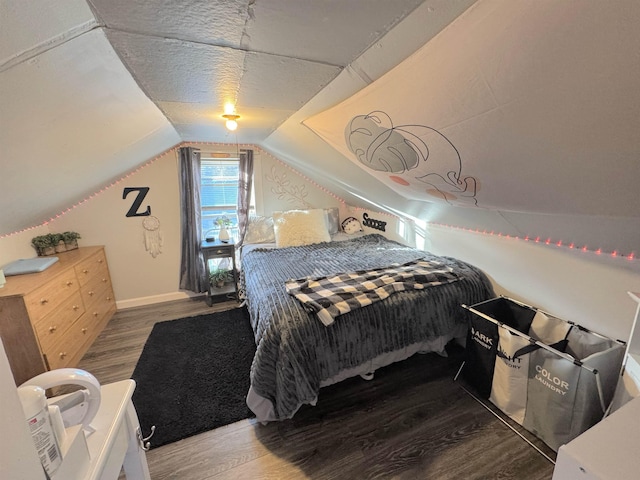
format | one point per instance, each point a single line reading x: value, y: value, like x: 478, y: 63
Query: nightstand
x: 218, y: 249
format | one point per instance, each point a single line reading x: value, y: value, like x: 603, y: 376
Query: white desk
x: 609, y: 450
x: 115, y: 442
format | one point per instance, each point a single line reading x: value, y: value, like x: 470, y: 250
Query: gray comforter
x: 296, y: 352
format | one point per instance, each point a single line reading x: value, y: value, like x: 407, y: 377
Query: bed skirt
x: 263, y: 408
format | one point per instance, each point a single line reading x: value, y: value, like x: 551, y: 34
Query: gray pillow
x: 333, y: 220
x: 260, y: 230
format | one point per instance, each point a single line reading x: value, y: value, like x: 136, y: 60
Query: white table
x: 607, y: 451
x: 114, y: 443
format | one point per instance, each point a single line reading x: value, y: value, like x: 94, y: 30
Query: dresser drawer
x: 69, y: 349
x: 102, y: 302
x: 55, y: 325
x: 89, y: 325
x: 62, y: 353
x: 44, y: 300
x: 49, y: 319
x: 95, y: 288
x: 56, y: 357
x: 92, y: 267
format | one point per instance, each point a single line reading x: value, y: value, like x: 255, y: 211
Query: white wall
x: 579, y: 286
x: 280, y: 187
x: 18, y: 456
x: 395, y: 228
x: 582, y: 287
x: 102, y: 221
x: 18, y: 245
x: 138, y: 278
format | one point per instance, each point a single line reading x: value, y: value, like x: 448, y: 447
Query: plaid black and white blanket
x: 329, y: 297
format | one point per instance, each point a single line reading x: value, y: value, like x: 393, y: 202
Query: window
x: 219, y: 193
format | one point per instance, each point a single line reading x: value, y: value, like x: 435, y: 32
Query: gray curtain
x: 193, y: 276
x: 245, y: 181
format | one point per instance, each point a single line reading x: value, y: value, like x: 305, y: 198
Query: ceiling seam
x: 520, y: 232
x: 49, y: 44
x: 232, y: 47
x: 250, y: 15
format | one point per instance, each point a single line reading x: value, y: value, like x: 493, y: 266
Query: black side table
x: 218, y: 249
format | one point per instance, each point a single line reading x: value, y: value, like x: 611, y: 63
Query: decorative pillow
x: 300, y: 227
x: 260, y: 230
x: 351, y: 225
x: 333, y: 220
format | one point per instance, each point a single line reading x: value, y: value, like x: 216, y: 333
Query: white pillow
x: 260, y: 230
x: 300, y: 227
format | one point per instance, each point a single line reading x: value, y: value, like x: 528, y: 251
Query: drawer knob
x: 69, y: 283
x: 91, y: 293
x: 53, y: 328
x: 104, y: 280
x: 109, y: 298
x: 62, y: 355
x: 100, y: 261
x: 95, y: 314
x: 75, y: 307
x: 43, y: 301
x: 85, y: 271
x: 84, y: 330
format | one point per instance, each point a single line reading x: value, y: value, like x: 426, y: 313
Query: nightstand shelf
x: 218, y: 250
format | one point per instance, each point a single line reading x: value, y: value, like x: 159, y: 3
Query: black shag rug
x: 193, y: 375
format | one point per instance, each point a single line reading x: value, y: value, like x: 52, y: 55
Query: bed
x: 297, y: 354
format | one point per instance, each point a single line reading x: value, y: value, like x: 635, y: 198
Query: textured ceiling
x: 533, y: 112
x: 90, y: 90
x: 268, y: 58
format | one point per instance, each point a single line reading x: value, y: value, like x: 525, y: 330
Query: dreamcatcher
x: 152, y: 235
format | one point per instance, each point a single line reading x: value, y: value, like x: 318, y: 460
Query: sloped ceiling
x: 90, y: 90
x: 540, y: 99
x: 512, y: 107
x: 72, y: 118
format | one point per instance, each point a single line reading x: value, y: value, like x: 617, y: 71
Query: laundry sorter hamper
x: 553, y: 377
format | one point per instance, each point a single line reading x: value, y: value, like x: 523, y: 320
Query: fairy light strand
x: 547, y: 241
x: 93, y: 195
x: 544, y: 241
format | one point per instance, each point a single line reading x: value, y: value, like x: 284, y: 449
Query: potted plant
x: 218, y: 277
x: 43, y: 245
x: 70, y: 240
x: 57, y: 242
x: 223, y: 222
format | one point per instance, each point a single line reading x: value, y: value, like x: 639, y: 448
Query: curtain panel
x: 193, y: 276
x: 245, y: 181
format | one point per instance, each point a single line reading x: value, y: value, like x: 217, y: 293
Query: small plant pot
x: 220, y: 284
x: 71, y: 245
x: 60, y: 247
x: 46, y: 251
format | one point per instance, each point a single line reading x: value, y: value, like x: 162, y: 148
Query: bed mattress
x: 296, y: 354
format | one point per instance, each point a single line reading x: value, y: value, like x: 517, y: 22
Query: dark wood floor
x: 411, y: 422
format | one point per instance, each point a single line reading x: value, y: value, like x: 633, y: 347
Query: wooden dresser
x: 49, y: 319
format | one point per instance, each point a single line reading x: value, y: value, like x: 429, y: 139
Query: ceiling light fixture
x: 231, y: 118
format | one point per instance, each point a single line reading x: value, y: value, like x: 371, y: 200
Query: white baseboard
x: 165, y: 297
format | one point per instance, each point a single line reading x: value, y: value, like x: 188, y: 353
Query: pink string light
x: 548, y: 241
x: 558, y: 243
x: 262, y: 152
x: 93, y: 195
